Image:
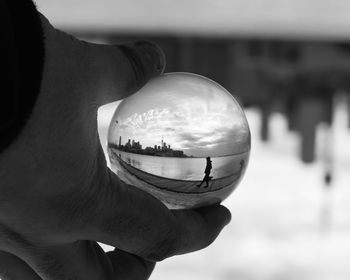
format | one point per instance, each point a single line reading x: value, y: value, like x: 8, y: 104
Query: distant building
x: 128, y: 145
x: 133, y: 146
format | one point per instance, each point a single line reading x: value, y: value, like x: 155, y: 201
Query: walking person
x: 207, y: 176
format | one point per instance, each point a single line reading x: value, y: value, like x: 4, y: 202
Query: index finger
x: 136, y: 222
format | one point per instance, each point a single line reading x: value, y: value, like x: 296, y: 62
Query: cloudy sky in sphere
x: 187, y: 113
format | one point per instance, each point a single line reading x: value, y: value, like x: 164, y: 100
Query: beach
x: 175, y: 192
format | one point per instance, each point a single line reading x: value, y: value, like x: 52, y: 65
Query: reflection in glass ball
x: 183, y: 138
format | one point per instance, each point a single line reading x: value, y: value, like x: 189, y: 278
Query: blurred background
x: 288, y: 62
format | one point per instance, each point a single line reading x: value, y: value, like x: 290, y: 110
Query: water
x: 183, y: 168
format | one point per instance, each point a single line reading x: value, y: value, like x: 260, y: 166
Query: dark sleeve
x: 21, y: 65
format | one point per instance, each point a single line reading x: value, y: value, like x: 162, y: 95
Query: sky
x: 189, y: 113
x: 325, y: 19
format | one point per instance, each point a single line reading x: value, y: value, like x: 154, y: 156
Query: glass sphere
x: 182, y: 138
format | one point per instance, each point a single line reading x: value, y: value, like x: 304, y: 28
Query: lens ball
x: 182, y: 138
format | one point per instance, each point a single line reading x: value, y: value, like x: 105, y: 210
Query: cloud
x: 220, y: 142
x: 193, y: 123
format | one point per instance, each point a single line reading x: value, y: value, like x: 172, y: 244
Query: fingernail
x: 154, y: 53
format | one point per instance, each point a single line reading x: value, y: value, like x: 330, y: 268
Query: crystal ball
x: 182, y: 138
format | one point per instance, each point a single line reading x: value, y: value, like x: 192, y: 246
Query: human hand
x: 57, y: 195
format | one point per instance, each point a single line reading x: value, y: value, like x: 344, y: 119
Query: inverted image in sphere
x: 182, y: 138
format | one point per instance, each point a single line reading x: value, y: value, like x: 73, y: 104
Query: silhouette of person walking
x: 207, y: 171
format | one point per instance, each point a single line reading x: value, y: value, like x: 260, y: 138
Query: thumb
x: 146, y: 60
x: 102, y: 73
x: 124, y: 69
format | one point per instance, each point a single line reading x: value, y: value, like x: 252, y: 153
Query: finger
x: 128, y: 266
x: 79, y: 260
x: 136, y: 222
x: 102, y: 73
x: 123, y: 69
x: 86, y: 260
x: 13, y: 268
x: 211, y: 219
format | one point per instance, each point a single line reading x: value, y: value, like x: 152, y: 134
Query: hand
x: 57, y: 195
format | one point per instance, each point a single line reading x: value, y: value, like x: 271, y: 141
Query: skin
x: 57, y: 195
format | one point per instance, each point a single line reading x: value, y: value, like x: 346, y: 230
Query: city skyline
x: 199, y: 119
x: 133, y: 146
x: 137, y: 142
